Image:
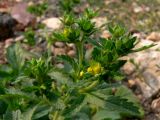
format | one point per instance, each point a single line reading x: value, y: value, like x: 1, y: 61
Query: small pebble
x: 59, y: 51
x: 131, y: 83
x: 156, y: 105
x: 71, y: 53
x: 60, y: 65
x: 8, y: 42
x: 71, y: 46
x: 106, y: 34
x: 59, y: 44
x: 19, y: 38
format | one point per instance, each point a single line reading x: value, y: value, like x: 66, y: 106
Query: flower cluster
x: 94, y: 69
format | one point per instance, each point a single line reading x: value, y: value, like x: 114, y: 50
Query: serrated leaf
x: 59, y: 37
x: 15, y: 56
x: 126, y: 93
x: 12, y: 100
x: 106, y: 115
x: 60, y: 77
x: 69, y: 60
x: 81, y: 116
x: 41, y: 111
x: 75, y: 105
x: 13, y: 115
x: 95, y: 42
x: 29, y: 113
x: 122, y: 106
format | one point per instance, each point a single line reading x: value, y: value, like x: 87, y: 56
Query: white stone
x: 53, y: 23
x: 148, y: 73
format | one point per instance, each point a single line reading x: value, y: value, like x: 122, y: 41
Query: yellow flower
x: 66, y: 32
x: 90, y: 70
x: 95, y: 69
x: 81, y: 74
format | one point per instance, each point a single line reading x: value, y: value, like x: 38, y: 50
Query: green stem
x: 80, y: 50
x: 55, y: 117
x: 80, y: 54
x: 49, y: 51
x: 49, y: 45
x: 90, y: 87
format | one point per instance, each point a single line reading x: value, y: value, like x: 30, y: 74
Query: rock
x: 138, y: 9
x: 59, y: 51
x: 71, y: 46
x: 18, y: 0
x: 154, y: 36
x: 5, y: 5
x: 106, y: 34
x: 99, y: 21
x: 128, y: 68
x: 59, y: 44
x: 7, y: 24
x: 71, y: 53
x: 81, y: 9
x: 9, y: 42
x: 145, y: 71
x: 131, y: 83
x: 156, y: 105
x: 53, y: 23
x: 146, y: 90
x: 22, y: 16
x: 19, y: 38
x: 152, y: 79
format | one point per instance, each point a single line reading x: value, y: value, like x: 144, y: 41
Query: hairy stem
x: 55, y: 117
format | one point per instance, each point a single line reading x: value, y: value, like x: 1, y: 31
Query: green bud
x: 86, y: 25
x: 71, y: 34
x: 89, y: 13
x: 68, y: 19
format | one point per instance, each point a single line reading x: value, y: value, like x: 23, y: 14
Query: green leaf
x: 60, y: 76
x: 123, y: 106
x: 80, y: 116
x: 126, y: 93
x: 38, y: 9
x: 118, y: 76
x: 13, y: 115
x: 4, y: 74
x: 106, y: 115
x: 3, y: 107
x: 75, y: 105
x: 29, y: 113
x: 15, y: 56
x: 59, y: 36
x: 115, y: 66
x: 94, y: 42
x: 41, y: 111
x: 30, y: 37
x: 13, y: 100
x: 69, y: 60
x: 143, y: 48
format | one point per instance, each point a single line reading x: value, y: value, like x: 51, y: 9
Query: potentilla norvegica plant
x: 85, y: 89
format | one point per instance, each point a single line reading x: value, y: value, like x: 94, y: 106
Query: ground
x: 140, y: 17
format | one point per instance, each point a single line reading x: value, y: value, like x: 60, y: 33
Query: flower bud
x: 81, y: 74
